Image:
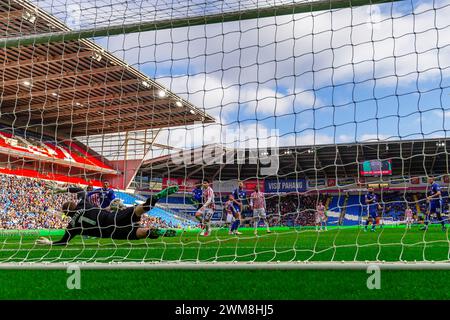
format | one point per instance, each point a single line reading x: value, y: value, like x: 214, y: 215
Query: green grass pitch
x: 284, y: 244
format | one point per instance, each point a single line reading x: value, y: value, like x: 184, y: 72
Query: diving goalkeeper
x: 87, y: 219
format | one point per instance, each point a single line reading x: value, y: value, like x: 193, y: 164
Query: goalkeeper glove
x: 156, y: 233
x: 169, y: 233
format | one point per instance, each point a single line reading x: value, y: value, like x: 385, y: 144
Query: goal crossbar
x: 247, y: 14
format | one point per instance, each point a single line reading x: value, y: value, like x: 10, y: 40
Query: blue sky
x: 368, y: 73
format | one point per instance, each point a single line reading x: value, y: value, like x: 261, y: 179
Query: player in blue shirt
x: 105, y: 194
x: 239, y: 197
x: 230, y: 211
x: 372, y: 207
x: 197, y: 196
x: 434, y: 199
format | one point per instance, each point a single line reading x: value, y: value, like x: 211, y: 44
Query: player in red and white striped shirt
x: 258, y: 204
x: 409, y: 218
x: 321, y: 217
x: 205, y: 213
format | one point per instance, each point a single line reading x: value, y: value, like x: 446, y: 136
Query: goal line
x: 301, y: 265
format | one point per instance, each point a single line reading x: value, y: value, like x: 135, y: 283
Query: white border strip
x: 231, y: 266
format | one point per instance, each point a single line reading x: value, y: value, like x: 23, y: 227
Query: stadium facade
x: 339, y: 175
x: 323, y: 166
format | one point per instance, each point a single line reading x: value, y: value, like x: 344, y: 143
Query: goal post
x: 230, y: 266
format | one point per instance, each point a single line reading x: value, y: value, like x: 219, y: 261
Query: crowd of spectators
x: 28, y: 203
x: 151, y: 221
x: 293, y: 209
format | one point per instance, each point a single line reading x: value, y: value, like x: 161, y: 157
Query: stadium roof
x: 76, y: 88
x: 409, y: 157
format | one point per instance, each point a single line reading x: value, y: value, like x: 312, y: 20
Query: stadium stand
x: 171, y: 220
x: 298, y: 210
x: 294, y: 210
x: 335, y: 208
x: 50, y: 176
x: 174, y: 211
x: 128, y: 199
x: 28, y: 203
x: 46, y: 149
x: 354, y: 205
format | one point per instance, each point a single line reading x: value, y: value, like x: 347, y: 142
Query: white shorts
x: 409, y: 219
x: 259, y: 213
x: 320, y: 217
x: 207, y: 213
x: 230, y: 218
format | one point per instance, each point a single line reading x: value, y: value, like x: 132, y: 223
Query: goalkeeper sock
x: 150, y: 203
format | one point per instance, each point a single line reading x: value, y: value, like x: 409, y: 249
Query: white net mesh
x: 311, y: 103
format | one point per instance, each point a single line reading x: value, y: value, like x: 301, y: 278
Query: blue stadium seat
x: 127, y: 198
x: 170, y: 219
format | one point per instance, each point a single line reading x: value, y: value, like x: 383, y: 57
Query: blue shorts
x: 435, y: 207
x: 372, y: 211
x: 373, y: 214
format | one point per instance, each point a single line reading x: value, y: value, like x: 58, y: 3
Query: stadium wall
x: 48, y: 171
x: 128, y: 169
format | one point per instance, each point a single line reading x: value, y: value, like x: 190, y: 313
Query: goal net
x: 296, y: 131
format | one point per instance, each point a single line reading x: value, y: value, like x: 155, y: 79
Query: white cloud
x: 343, y: 138
x: 439, y: 113
x: 236, y: 136
x: 275, y: 67
x: 284, y: 46
x: 372, y: 137
x: 222, y: 99
x: 366, y: 137
x: 305, y: 139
